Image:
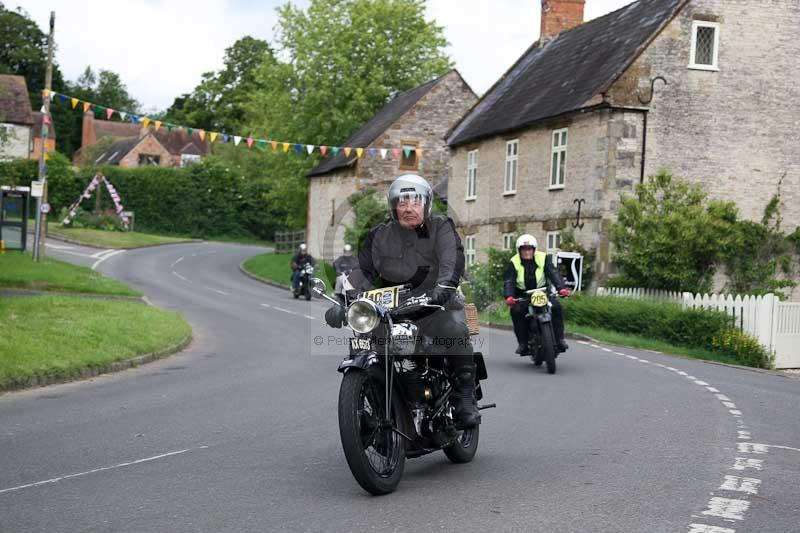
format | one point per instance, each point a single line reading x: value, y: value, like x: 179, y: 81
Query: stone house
x: 700, y: 88
x: 131, y: 145
x: 22, y: 126
x: 406, y: 136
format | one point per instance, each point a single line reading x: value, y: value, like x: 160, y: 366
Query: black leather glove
x: 441, y: 295
x: 335, y: 316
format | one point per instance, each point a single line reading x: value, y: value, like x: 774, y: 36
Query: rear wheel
x: 465, y: 447
x: 375, y: 453
x: 548, y: 348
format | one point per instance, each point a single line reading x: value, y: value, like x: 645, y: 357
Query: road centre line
x: 106, y: 256
x: 218, y: 291
x: 102, y: 469
x: 101, y: 253
x: 176, y: 262
x: 181, y: 277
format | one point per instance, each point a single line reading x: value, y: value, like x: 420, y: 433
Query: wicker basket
x: 472, y: 318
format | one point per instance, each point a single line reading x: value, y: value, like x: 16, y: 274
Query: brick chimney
x: 88, y: 136
x: 560, y: 15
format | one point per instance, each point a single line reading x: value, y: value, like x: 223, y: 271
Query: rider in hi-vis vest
x: 531, y: 269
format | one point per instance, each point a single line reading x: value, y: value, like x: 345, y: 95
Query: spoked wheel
x: 374, y: 452
x: 465, y: 447
x: 548, y: 349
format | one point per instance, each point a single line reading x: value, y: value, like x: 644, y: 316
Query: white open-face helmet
x: 348, y: 249
x: 410, y: 187
x: 303, y: 247
x: 526, y: 240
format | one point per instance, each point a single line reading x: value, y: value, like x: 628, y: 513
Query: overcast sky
x: 160, y: 48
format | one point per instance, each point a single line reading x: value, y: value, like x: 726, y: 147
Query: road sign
x: 37, y: 189
x: 45, y: 208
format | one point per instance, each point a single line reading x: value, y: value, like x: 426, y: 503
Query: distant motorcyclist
x: 527, y: 270
x: 424, y: 251
x: 299, y: 260
x: 343, y: 265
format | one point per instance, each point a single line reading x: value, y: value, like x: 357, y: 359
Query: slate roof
x: 375, y: 126
x: 15, y: 106
x: 117, y: 150
x: 568, y: 72
x: 176, y: 141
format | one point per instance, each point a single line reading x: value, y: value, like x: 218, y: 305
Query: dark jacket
x: 297, y: 262
x: 344, y: 264
x: 423, y: 257
x: 550, y: 273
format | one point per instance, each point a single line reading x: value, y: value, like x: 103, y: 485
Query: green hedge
x: 693, y: 328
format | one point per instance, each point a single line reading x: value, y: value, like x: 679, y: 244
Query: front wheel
x: 465, y: 447
x: 548, y: 348
x: 374, y: 453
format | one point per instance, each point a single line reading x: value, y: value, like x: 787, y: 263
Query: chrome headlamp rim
x: 363, y: 316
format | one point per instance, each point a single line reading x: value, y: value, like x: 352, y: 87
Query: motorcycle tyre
x: 349, y: 431
x: 548, y: 349
x: 457, y: 453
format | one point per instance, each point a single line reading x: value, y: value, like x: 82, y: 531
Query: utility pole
x: 41, y: 218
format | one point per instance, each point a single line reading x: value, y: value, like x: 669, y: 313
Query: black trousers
x: 521, y: 326
x: 446, y: 333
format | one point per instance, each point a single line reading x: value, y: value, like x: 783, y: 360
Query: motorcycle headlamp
x: 363, y: 316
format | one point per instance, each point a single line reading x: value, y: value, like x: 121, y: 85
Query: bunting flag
x: 299, y: 148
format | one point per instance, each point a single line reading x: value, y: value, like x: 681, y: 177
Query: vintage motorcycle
x: 304, y: 287
x: 542, y: 345
x: 396, y: 402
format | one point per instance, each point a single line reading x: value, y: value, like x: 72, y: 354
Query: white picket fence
x: 775, y: 324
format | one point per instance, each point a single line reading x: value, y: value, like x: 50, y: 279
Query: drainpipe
x: 644, y: 119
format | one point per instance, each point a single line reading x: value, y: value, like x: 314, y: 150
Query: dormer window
x: 705, y: 46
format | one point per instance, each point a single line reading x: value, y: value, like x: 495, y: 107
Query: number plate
x: 360, y: 344
x: 538, y: 299
x: 387, y: 297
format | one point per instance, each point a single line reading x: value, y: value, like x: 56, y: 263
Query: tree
x: 667, y: 236
x: 219, y: 101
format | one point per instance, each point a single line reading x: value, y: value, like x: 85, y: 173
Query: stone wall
x: 150, y: 146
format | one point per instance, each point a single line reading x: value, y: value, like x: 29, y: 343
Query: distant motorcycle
x: 395, y: 402
x: 542, y: 340
x: 304, y: 287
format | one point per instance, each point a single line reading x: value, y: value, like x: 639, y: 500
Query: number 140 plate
x: 387, y: 296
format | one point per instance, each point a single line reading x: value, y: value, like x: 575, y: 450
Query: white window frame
x: 469, y: 249
x: 554, y: 241
x: 508, y: 241
x: 472, y: 175
x: 559, y: 149
x: 704, y: 24
x: 512, y: 158
x: 189, y: 159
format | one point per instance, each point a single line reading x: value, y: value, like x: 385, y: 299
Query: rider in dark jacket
x: 416, y: 248
x: 528, y: 270
x: 299, y: 260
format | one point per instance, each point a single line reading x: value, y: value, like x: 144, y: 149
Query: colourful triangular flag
x: 109, y: 112
x: 419, y: 152
x: 146, y: 122
x: 347, y: 151
x: 122, y: 114
x: 158, y: 124
x: 62, y: 97
x: 406, y: 151
x: 285, y: 147
x: 86, y: 106
x: 322, y: 150
x: 43, y: 109
x: 274, y: 145
x: 309, y: 148
x: 298, y: 148
x: 46, y: 119
x: 262, y: 144
x: 97, y: 108
x: 396, y: 153
x: 201, y: 134
x: 52, y: 94
x: 371, y: 152
x: 359, y: 152
x: 335, y: 151
x: 45, y: 93
x: 74, y: 102
x: 169, y: 126
x: 189, y: 131
x: 213, y: 136
x: 225, y: 137
x: 249, y: 142
x: 384, y: 151
x: 236, y: 140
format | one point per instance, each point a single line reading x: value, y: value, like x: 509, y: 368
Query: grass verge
x: 18, y: 270
x: 275, y: 268
x: 61, y: 336
x: 110, y: 239
x: 501, y: 316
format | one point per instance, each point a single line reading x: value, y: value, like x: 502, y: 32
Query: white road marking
x: 181, y: 277
x: 741, y: 484
x: 702, y: 528
x: 176, y: 262
x: 671, y: 368
x: 729, y: 405
x: 701, y: 383
x: 682, y: 373
x: 782, y: 447
x: 711, y: 389
x: 722, y: 397
x: 59, y: 246
x: 283, y: 310
x: 633, y: 357
x: 218, y: 291
x: 744, y: 435
x: 752, y: 447
x: 727, y: 508
x: 643, y: 361
x: 309, y: 317
x: 112, y: 254
x: 120, y: 465
x: 594, y: 346
x: 743, y: 463
x: 692, y: 378
x: 605, y: 349
x: 101, y: 253
x: 583, y: 342
x: 265, y: 305
x: 735, y: 412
